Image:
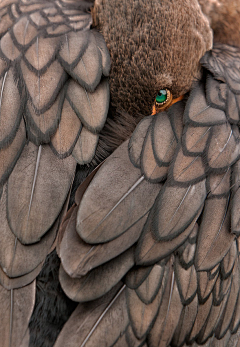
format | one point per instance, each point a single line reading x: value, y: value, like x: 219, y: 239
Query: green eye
x: 162, y: 96
x: 163, y: 100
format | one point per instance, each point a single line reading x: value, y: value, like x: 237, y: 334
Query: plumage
x: 149, y: 166
x: 187, y: 282
x: 79, y: 258
x: 97, y: 328
x: 123, y: 198
x: 91, y: 108
x: 149, y: 247
x: 142, y: 313
x: 163, y: 152
x: 107, y: 276
x: 186, y: 322
x: 213, y: 246
x: 149, y: 250
x: 16, y: 310
x: 137, y: 140
x: 40, y: 127
x: 175, y: 216
x: 85, y: 147
x: 17, y: 259
x: 24, y: 216
x: 195, y: 140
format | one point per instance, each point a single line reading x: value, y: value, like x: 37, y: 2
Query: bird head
x: 154, y: 45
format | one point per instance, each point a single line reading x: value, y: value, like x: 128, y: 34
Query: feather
x: 163, y: 140
x: 148, y: 290
x: 142, y: 315
x: 98, y: 281
x: 10, y: 154
x: 218, y: 290
x: 45, y: 125
x: 10, y: 109
x: 206, y: 282
x: 218, y: 185
x: 24, y: 32
x: 38, y: 19
x: 232, y: 110
x: 5, y: 24
x: 67, y: 133
x: 187, y: 282
x: 201, y: 318
x: 212, y: 321
x: 132, y: 340
x: 73, y: 47
x: 16, y: 259
x: 18, y: 282
x: 149, y: 250
x: 91, y: 107
x: 236, y: 317
x: 188, y: 169
x: 229, y: 260
x: 168, y: 316
x: 88, y: 71
x: 186, y: 252
x: 16, y: 309
x: 195, y: 139
x: 101, y: 44
x: 235, y: 199
x: 214, y: 238
x: 175, y: 208
x: 84, y: 185
x: 198, y: 113
x: 40, y: 55
x: 100, y: 322
x: 149, y: 166
x: 222, y: 150
x: 137, y: 139
x: 78, y: 257
x: 120, y: 211
x: 128, y: 339
x: 137, y: 275
x: 224, y: 324
x: 85, y: 147
x: 186, y: 322
x: 3, y: 68
x: 213, y: 93
x: 175, y: 113
x: 43, y: 89
x: 26, y: 216
x: 8, y: 50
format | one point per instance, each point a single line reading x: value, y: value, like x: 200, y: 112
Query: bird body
x: 149, y: 247
x: 173, y: 194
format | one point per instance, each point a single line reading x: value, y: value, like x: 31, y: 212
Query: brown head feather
x: 224, y: 17
x: 153, y: 45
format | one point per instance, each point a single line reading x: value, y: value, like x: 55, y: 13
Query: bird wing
x: 54, y: 99
x: 151, y: 250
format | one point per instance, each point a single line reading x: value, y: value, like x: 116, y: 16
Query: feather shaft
x: 102, y: 315
x: 34, y: 179
x: 136, y: 184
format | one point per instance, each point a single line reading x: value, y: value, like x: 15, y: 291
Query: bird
x: 150, y: 249
x: 138, y: 263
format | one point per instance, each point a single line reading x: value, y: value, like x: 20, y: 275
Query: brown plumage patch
x: 224, y: 18
x: 153, y: 45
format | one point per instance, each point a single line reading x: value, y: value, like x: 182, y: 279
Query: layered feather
x: 183, y: 285
x: 54, y: 99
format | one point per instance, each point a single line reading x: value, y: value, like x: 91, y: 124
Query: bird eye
x: 162, y: 96
x: 163, y: 100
